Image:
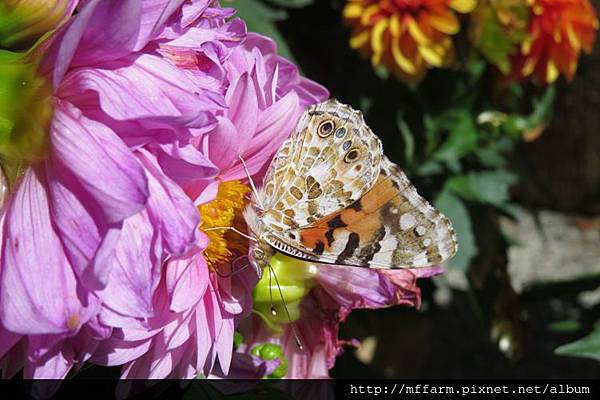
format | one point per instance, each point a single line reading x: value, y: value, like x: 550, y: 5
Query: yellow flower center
x: 224, y: 211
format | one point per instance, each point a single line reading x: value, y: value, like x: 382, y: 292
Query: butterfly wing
x: 391, y: 226
x: 330, y: 161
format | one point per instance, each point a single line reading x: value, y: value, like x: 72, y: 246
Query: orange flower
x: 558, y: 31
x: 406, y: 36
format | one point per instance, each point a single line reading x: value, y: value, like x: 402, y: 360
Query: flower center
x: 224, y: 211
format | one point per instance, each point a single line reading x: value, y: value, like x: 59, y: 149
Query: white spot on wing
x: 407, y: 221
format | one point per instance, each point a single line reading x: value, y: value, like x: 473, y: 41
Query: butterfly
x: 331, y: 196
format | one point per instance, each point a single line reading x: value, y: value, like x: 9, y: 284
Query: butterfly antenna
x: 262, y: 207
x: 233, y: 271
x: 294, y: 331
x: 273, y: 311
x: 231, y: 228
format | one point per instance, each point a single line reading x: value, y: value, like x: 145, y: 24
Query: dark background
x: 560, y: 172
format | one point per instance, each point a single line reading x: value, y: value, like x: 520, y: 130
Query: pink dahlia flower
x: 198, y: 304
x: 98, y: 207
x: 319, y: 298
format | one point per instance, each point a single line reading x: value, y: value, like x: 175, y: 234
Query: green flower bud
x: 255, y: 351
x: 23, y: 22
x: 270, y: 351
x: 25, y: 113
x: 296, y: 279
x: 281, y: 370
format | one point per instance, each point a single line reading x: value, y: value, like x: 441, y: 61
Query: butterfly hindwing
x: 391, y: 226
x: 330, y: 161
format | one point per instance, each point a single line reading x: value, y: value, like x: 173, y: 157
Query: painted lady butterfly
x: 330, y: 195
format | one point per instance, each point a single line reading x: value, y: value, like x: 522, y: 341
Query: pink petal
x: 353, y: 287
x: 84, y: 345
x: 243, y: 107
x: 115, y: 351
x: 101, y: 30
x: 186, y: 280
x: 43, y: 346
x: 113, y: 319
x: 224, y: 344
x: 205, y: 335
x: 80, y: 222
x: 223, y: 144
x: 275, y: 124
x: 97, y: 275
x: 186, y: 369
x: 191, y: 11
x: 195, y: 37
x: 38, y: 292
x: 64, y: 45
x: 153, y: 16
x: 145, y: 87
x: 110, y: 33
x: 177, y: 332
x: 170, y: 209
x: 105, y: 168
x: 55, y: 364
x: 311, y: 92
x: 157, y: 363
x: 184, y: 164
x: 7, y: 341
x: 136, y: 269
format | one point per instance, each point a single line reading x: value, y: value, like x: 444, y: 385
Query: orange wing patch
x: 363, y: 218
x: 391, y: 226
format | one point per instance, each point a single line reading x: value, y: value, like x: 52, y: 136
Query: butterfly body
x: 331, y: 196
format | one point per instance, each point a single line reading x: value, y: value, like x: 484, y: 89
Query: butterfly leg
x: 231, y: 228
x: 234, y: 271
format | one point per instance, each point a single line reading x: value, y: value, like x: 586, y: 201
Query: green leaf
x: 365, y: 104
x: 454, y: 208
x: 407, y: 137
x: 292, y: 3
x: 568, y: 325
x: 489, y: 187
x: 586, y: 347
x: 462, y: 138
x: 518, y: 125
x: 262, y: 19
x: 494, y: 154
x: 429, y: 168
x: 489, y: 157
x: 542, y: 107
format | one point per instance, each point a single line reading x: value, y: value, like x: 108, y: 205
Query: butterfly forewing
x: 330, y: 161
